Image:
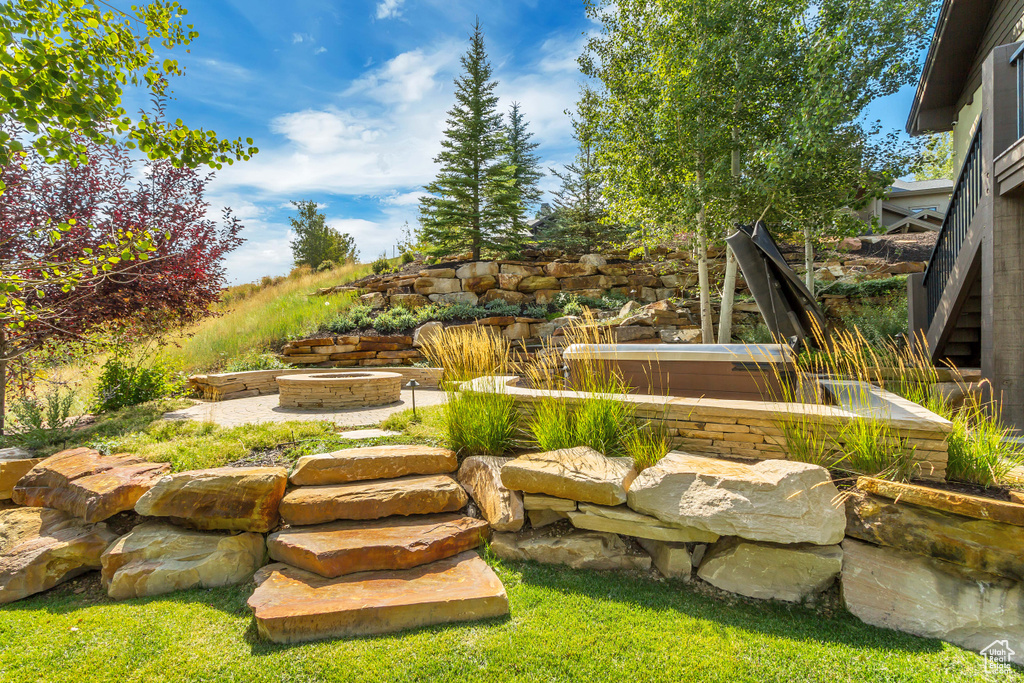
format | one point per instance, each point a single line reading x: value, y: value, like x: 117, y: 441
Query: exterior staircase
x: 367, y: 555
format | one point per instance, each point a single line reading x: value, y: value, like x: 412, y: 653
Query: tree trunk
x: 728, y: 295
x: 706, y: 326
x: 808, y: 258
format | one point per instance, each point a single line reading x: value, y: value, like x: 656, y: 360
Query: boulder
x: 477, y: 269
x: 436, y: 285
x: 537, y: 501
x: 508, y: 281
x: 520, y: 269
x: 415, y: 495
x: 156, y: 558
x: 347, y: 547
x: 671, y: 559
x: 504, y: 295
x: 632, y: 333
x: 374, y: 462
x: 778, y: 501
x: 503, y: 509
x: 229, y: 498
x: 560, y: 270
x: 988, y: 546
x: 455, y: 298
x: 542, y: 518
x: 545, y: 296
x: 479, y: 285
x: 622, y: 520
x: 441, y: 273
x: 534, y: 283
x: 293, y: 605
x: 931, y: 598
x: 41, y: 547
x: 374, y: 300
x: 410, y: 301
x: 770, y: 571
x: 86, y: 484
x: 580, y: 474
x: 14, y: 464
x: 421, y: 337
x: 593, y: 260
x: 690, y: 335
x: 577, y: 549
x: 517, y: 331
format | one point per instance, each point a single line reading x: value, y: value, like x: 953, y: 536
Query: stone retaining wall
x: 750, y: 429
x: 229, y: 385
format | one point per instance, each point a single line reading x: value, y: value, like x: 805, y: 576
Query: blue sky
x: 346, y: 101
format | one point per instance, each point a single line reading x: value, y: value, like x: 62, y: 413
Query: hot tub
x: 748, y: 372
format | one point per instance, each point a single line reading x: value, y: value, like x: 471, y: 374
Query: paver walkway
x: 257, y: 409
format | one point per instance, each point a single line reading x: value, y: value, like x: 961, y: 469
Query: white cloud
x: 320, y: 50
x: 389, y: 9
x: 324, y: 131
x: 299, y: 37
x: 407, y: 78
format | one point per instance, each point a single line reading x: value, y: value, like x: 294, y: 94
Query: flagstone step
x: 415, y: 495
x: 346, y: 547
x: 374, y: 462
x: 294, y: 605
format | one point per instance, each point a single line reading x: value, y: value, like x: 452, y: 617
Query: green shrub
x: 645, y: 446
x: 867, y: 288
x: 879, y: 324
x: 382, y: 266
x: 500, y: 307
x: 395, y: 320
x: 758, y: 334
x: 481, y: 424
x: 325, y: 266
x: 254, y: 361
x: 407, y: 257
x: 122, y: 383
x: 569, y: 304
x: 535, y: 311
x: 37, y: 423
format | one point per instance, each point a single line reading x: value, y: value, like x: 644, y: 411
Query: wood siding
x: 1005, y: 26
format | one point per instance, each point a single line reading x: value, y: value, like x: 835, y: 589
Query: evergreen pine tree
x: 468, y: 202
x: 316, y: 242
x: 525, y: 174
x: 580, y: 222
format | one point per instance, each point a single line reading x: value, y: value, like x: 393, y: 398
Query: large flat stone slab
x: 346, y: 547
x: 375, y: 462
x: 502, y: 507
x: 14, y: 464
x: 294, y: 605
x: 621, y: 520
x: 86, y: 484
x: 156, y: 558
x: 227, y: 498
x: 932, y: 598
x: 41, y: 547
x: 580, y: 474
x: 537, y: 501
x: 577, y: 549
x: 777, y: 501
x: 988, y: 546
x: 416, y: 495
x: 770, y: 571
x: 945, y: 501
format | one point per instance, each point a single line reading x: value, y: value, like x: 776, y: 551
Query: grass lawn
x: 565, y: 625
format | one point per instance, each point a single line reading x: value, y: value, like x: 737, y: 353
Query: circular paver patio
x: 257, y: 409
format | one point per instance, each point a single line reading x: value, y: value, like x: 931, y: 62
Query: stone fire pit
x: 339, y: 389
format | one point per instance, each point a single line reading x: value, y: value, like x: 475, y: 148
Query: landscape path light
x: 412, y: 386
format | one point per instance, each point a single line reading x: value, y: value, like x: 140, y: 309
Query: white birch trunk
x: 706, y: 326
x: 728, y: 296
x: 808, y: 259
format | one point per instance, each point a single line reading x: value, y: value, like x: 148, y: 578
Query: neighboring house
x: 911, y: 206
x: 970, y: 301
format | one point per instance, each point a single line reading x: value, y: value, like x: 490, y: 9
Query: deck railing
x: 962, y: 207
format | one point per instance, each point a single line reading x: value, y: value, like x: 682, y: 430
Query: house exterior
x: 969, y: 303
x: 910, y: 206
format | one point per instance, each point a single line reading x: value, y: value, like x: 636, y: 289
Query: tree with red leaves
x: 131, y: 245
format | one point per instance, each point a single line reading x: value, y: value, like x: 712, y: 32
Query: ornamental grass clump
x: 475, y: 422
x: 599, y: 414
